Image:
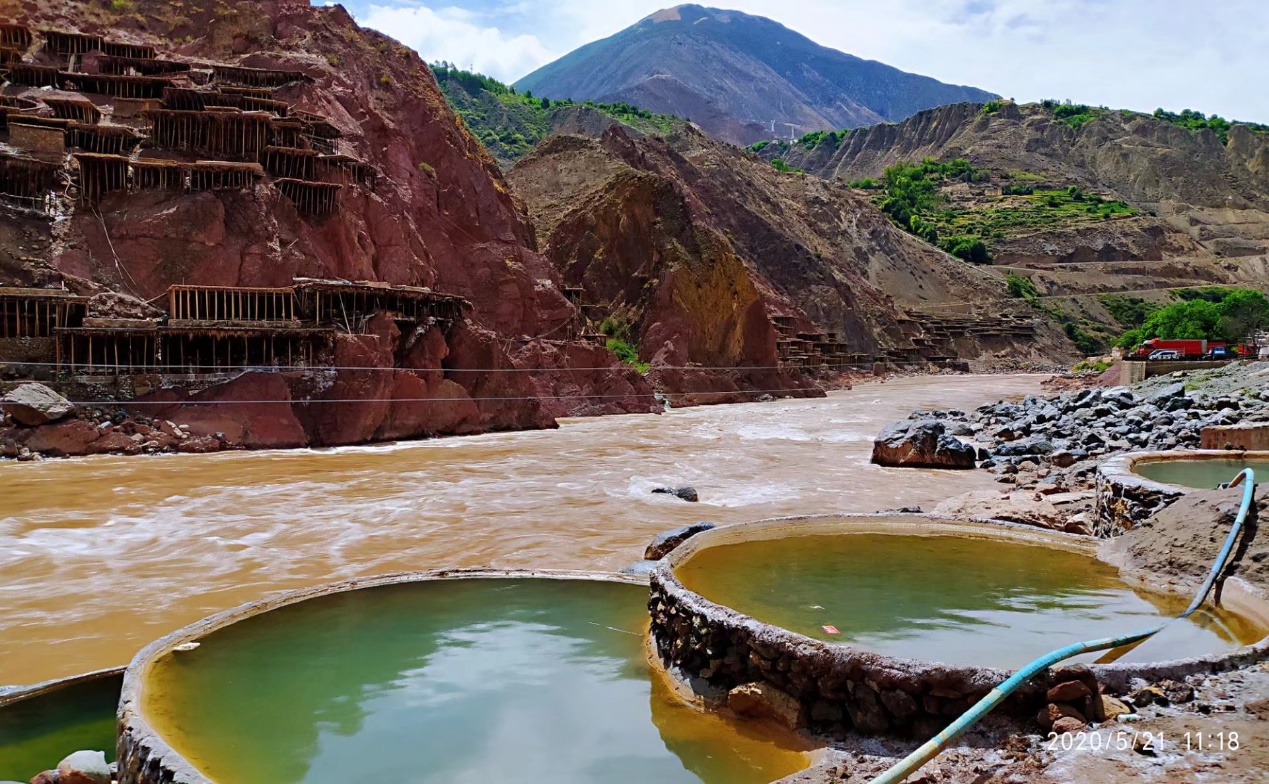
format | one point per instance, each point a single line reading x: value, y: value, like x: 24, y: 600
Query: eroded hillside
x: 1196, y: 195
x: 703, y: 251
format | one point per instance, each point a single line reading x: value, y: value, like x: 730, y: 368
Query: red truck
x: 1185, y: 349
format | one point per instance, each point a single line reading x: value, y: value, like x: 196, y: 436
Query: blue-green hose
x: 914, y: 761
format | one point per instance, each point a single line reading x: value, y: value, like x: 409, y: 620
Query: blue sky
x: 1137, y: 54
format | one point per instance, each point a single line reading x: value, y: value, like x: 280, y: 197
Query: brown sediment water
x: 101, y: 555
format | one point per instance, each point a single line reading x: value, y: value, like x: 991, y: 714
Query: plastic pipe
x: 928, y: 751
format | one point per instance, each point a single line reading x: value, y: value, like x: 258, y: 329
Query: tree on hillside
x: 1244, y: 313
x: 1238, y: 314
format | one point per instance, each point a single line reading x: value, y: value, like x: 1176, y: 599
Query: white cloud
x: 1136, y: 54
x: 457, y: 35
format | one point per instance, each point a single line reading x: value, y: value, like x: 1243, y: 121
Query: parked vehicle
x: 1221, y: 352
x: 1184, y: 349
x: 1163, y: 354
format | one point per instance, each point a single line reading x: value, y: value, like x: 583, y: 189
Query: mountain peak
x: 692, y: 13
x: 742, y: 78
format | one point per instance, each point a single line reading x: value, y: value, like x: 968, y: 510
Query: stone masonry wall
x: 1126, y: 500
x: 837, y: 688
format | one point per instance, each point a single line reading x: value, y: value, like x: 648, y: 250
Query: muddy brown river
x: 99, y: 556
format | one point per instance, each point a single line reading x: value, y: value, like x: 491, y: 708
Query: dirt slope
x: 699, y: 245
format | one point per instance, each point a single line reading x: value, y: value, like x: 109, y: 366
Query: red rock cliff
x: 440, y: 216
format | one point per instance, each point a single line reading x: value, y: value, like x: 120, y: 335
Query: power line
x: 611, y: 368
x: 653, y: 396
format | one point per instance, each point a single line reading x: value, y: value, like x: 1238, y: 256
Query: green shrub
x: 615, y: 327
x: 992, y: 107
x: 1021, y: 287
x: 627, y: 354
x: 1130, y: 311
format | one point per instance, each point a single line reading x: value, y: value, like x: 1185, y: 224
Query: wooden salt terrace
x: 256, y: 77
x: 346, y: 170
x: 36, y: 313
x: 230, y: 304
x: 338, y: 302
x: 247, y: 103
x: 223, y: 175
x: 113, y: 85
x: 187, y: 350
x: 78, y: 109
x: 138, y: 66
x: 100, y: 175
x: 10, y: 55
x: 291, y: 162
x: 219, y: 134
x: 134, y: 110
x: 160, y: 175
x: 10, y: 105
x: 41, y: 136
x: 16, y: 36
x: 63, y: 43
x: 254, y: 92
x: 288, y: 133
x: 315, y: 199
x: 29, y: 181
x: 186, y: 99
x: 105, y: 139
x: 28, y: 75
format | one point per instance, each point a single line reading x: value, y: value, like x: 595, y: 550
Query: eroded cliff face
x: 440, y: 216
x: 700, y: 246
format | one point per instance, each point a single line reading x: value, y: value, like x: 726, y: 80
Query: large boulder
x: 921, y: 444
x: 666, y: 541
x: 34, y: 404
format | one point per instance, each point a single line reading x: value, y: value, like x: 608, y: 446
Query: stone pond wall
x: 726, y: 660
x: 836, y: 688
x: 1126, y: 500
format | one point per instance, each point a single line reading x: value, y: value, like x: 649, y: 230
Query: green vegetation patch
x: 620, y: 343
x: 1132, y: 312
x: 913, y: 197
x: 1237, y: 315
x: 510, y: 123
x: 1075, y: 115
x: 1197, y: 122
x: 1087, y: 337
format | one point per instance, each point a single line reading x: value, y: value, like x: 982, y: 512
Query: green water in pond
x: 36, y: 733
x: 950, y: 599
x: 506, y: 680
x: 1202, y: 474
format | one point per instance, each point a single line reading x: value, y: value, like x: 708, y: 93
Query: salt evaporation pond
x: 37, y: 731
x: 1205, y: 474
x: 470, y: 680
x: 956, y: 600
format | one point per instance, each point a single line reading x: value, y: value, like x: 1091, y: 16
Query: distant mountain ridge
x: 734, y: 75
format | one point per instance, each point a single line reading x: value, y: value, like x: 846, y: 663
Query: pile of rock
x: 1076, y: 426
x: 1073, y: 427
x: 1075, y: 701
x: 35, y: 421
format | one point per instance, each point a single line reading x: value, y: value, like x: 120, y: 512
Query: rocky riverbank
x: 1045, y: 450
